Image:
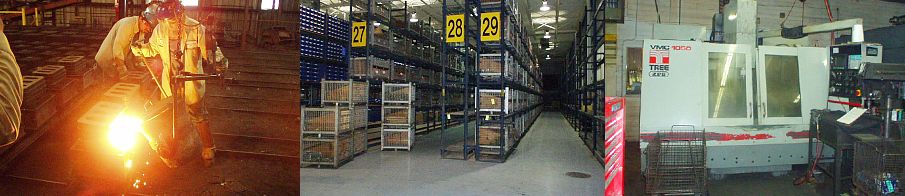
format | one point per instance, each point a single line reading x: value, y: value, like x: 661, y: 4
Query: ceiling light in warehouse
x: 545, y: 7
x: 414, y: 18
x: 547, y: 20
x: 547, y: 34
x: 269, y: 4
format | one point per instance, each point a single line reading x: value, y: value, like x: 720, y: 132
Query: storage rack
x: 398, y: 51
x: 507, y: 79
x: 458, y: 83
x: 397, y: 130
x: 583, y: 99
x: 332, y: 135
x: 323, y: 51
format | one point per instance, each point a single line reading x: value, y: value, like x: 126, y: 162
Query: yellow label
x: 359, y: 34
x: 455, y: 28
x: 609, y: 37
x: 491, y: 26
x: 487, y: 117
x: 443, y: 92
x: 492, y: 101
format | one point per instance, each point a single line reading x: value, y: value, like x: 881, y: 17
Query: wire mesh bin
x: 346, y: 91
x: 326, y: 149
x: 878, y: 166
x: 360, y: 140
x: 329, y: 120
x: 493, y: 100
x: 491, y: 64
x: 397, y: 129
x: 400, y: 72
x: 371, y: 67
x: 398, y: 93
x: 397, y: 115
x: 676, y: 162
x: 396, y: 139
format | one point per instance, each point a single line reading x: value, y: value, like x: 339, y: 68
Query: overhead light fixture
x: 414, y: 18
x: 547, y: 34
x: 376, y: 24
x: 545, y: 7
x: 548, y: 57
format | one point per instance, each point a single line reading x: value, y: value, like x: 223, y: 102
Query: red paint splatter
x: 799, y: 134
x: 717, y: 136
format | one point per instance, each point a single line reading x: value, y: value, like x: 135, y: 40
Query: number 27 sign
x: 359, y: 34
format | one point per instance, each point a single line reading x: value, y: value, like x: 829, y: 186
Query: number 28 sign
x: 455, y: 28
x: 359, y: 34
x: 490, y: 26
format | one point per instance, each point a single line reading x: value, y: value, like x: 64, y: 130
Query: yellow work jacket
x: 116, y: 45
x: 191, y: 44
x: 10, y: 93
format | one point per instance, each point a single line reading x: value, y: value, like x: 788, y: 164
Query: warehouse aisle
x: 538, y: 167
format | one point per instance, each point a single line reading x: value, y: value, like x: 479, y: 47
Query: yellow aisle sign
x: 490, y: 26
x: 455, y: 28
x: 359, y: 34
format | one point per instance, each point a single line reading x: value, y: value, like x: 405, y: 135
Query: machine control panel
x: 845, y: 83
x: 846, y: 62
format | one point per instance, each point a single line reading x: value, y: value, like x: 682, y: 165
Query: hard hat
x: 150, y: 13
x: 170, y: 9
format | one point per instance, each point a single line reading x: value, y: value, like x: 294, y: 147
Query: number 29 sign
x: 359, y: 34
x: 490, y: 26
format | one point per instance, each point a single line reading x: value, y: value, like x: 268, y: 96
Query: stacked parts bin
x: 333, y: 134
x: 397, y: 129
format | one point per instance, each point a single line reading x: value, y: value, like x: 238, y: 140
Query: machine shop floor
x: 537, y: 167
x: 257, y: 146
x: 755, y: 184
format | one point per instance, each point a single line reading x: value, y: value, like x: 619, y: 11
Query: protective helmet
x: 150, y: 13
x: 170, y: 9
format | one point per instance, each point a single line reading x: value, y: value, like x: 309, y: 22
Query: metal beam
x: 820, y: 28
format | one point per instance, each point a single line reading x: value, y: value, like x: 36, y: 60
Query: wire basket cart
x: 878, y: 167
x: 676, y: 162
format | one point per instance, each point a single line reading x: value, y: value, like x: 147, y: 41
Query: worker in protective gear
x: 114, y: 56
x: 180, y: 43
x: 10, y: 93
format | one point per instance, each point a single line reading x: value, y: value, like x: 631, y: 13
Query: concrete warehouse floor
x: 256, y: 137
x: 537, y: 167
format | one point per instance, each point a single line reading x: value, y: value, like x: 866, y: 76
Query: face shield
x: 150, y: 14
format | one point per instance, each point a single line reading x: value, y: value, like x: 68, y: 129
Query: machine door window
x: 727, y: 86
x: 783, y: 95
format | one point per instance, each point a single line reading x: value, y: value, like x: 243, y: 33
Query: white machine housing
x: 763, y: 127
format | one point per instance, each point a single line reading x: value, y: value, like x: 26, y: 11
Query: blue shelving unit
x: 402, y: 43
x: 324, y: 43
x: 512, y: 90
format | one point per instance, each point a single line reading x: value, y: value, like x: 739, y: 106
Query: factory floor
x: 256, y: 138
x: 753, y: 184
x: 537, y: 167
